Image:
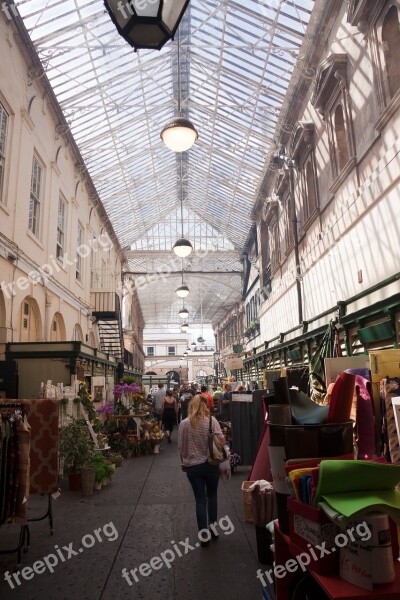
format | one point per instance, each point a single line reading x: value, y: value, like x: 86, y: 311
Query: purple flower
x: 106, y: 409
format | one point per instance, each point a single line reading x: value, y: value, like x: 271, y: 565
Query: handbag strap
x: 210, y: 427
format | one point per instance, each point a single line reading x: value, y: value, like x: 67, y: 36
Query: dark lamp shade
x: 146, y: 23
x: 182, y: 291
x: 182, y: 248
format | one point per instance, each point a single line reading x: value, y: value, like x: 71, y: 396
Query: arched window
x: 57, y: 331
x: 342, y: 150
x: 391, y: 49
x: 92, y: 340
x: 29, y: 321
x: 201, y: 374
x: 77, y: 333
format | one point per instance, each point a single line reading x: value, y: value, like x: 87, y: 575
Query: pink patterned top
x: 193, y: 441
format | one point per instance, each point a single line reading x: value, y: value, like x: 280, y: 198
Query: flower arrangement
x: 106, y: 410
x: 85, y: 399
x: 102, y: 439
x: 132, y: 392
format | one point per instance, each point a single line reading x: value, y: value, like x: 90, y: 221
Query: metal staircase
x: 107, y: 312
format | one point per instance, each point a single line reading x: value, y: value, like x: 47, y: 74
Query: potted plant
x: 103, y: 469
x: 76, y: 451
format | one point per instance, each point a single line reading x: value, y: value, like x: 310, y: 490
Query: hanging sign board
x: 233, y: 363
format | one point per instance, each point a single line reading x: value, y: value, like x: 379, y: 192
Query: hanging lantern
x: 146, y: 23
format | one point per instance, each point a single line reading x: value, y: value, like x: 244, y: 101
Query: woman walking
x: 203, y: 477
x: 169, y: 411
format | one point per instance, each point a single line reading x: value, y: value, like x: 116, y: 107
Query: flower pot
x: 156, y: 449
x: 88, y: 475
x: 97, y: 486
x: 118, y: 461
x: 75, y: 482
x: 105, y: 482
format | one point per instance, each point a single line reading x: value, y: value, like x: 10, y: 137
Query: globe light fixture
x: 182, y: 291
x: 193, y: 344
x: 185, y: 354
x: 146, y: 23
x: 179, y: 134
x: 182, y: 247
x: 183, y: 313
x: 185, y: 326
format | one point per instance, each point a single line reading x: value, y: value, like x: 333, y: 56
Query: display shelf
x: 333, y: 586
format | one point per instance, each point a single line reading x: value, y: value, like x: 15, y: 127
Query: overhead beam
x: 179, y: 273
x: 167, y: 253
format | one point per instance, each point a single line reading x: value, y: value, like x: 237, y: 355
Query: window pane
x: 34, y: 201
x: 78, y: 254
x: 3, y: 134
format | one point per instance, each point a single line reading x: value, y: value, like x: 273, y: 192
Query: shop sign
x: 233, y: 363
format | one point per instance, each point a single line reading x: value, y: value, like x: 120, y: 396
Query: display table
x: 333, y: 586
x: 136, y: 418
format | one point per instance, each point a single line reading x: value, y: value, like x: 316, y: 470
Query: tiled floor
x: 146, y: 512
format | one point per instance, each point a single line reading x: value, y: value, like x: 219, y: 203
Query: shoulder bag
x: 217, y: 452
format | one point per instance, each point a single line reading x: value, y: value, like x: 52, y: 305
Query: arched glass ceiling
x: 237, y: 58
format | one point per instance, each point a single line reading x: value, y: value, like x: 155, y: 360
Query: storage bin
x: 309, y: 525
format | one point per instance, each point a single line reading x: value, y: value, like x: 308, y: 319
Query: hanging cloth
x: 317, y: 365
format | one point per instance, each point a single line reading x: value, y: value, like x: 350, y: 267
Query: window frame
x: 386, y: 104
x: 35, y: 197
x: 330, y: 91
x: 61, y: 233
x: 168, y: 350
x: 4, y: 117
x: 78, y: 260
x: 147, y: 351
x: 303, y: 152
x: 270, y: 216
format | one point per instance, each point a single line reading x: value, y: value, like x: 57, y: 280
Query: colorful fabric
x: 14, y: 468
x: 43, y: 420
x: 21, y: 501
x: 389, y: 388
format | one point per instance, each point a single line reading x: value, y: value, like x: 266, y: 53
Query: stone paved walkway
x: 148, y: 505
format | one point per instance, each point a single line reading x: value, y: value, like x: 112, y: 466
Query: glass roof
x: 236, y: 61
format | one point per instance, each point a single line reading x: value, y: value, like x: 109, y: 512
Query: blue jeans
x: 204, y: 481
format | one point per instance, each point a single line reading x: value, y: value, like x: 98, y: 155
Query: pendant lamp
x: 182, y: 291
x: 179, y: 134
x: 146, y: 23
x: 182, y: 247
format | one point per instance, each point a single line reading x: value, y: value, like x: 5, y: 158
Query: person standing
x: 185, y: 397
x: 158, y: 401
x: 225, y: 403
x: 210, y: 401
x: 169, y: 411
x: 203, y: 477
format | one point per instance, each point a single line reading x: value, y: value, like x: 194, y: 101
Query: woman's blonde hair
x: 197, y: 409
